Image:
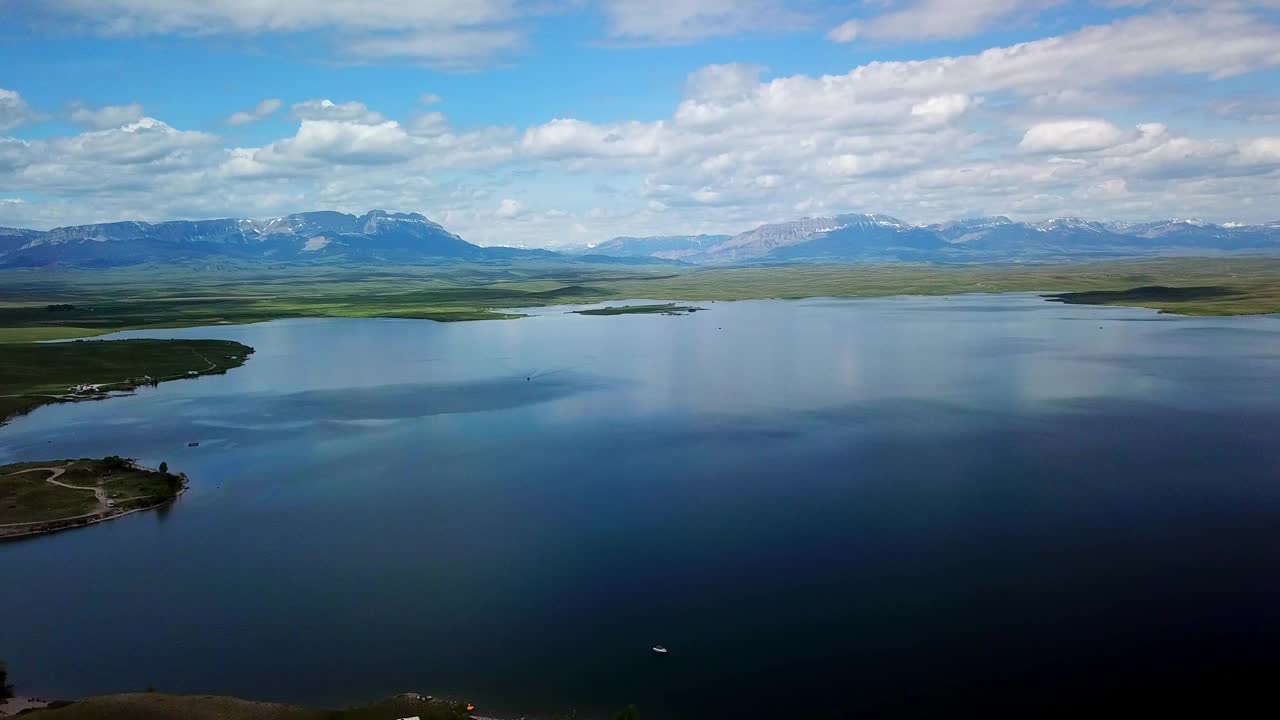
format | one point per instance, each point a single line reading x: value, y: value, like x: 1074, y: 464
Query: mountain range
x: 874, y: 237
x: 376, y: 236
x: 380, y: 236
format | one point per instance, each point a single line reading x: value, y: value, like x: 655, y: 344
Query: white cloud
x: 429, y: 99
x: 441, y: 33
x: 202, y: 17
x: 940, y: 19
x: 845, y: 32
x: 723, y: 82
x: 1070, y: 136
x: 323, y: 143
x: 448, y: 48
x: 261, y: 111
x: 328, y: 110
x: 509, y: 209
x: 1026, y: 130
x: 567, y: 138
x: 107, y: 116
x: 942, y: 109
x: 14, y: 110
x: 143, y: 142
x: 685, y: 21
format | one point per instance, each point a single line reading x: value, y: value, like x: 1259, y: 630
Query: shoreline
x: 18, y: 703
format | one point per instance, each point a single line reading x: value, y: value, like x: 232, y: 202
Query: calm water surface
x: 823, y: 505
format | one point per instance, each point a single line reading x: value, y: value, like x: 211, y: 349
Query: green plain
x: 33, y: 374
x: 110, y: 300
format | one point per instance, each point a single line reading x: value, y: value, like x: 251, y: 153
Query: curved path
x: 98, y: 492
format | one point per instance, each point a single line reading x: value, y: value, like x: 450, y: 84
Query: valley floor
x: 45, y: 305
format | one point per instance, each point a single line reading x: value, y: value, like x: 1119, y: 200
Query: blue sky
x: 558, y: 122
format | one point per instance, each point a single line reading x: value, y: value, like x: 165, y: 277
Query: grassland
x: 40, y: 497
x: 110, y: 300
x: 34, y: 374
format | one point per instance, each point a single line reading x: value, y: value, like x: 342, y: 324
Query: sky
x: 559, y: 123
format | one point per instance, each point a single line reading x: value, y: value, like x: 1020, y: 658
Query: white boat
x: 659, y: 649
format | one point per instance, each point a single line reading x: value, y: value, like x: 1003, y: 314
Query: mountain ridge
x: 880, y: 237
x: 377, y: 235
x: 396, y: 237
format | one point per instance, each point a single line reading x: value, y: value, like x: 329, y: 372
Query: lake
x: 823, y: 506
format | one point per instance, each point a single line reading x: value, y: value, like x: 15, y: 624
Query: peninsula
x: 35, y: 374
x: 43, y: 497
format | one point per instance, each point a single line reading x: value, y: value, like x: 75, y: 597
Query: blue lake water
x: 833, y: 505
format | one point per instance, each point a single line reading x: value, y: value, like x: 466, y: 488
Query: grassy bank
x: 109, y: 300
x: 33, y: 374
x: 40, y: 497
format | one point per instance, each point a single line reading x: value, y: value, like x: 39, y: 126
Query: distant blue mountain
x: 664, y: 247
x: 881, y: 238
x: 305, y: 237
x: 407, y: 238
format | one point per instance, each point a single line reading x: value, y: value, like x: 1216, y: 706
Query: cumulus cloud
x: 107, y: 116
x: 14, y: 110
x: 261, y: 111
x: 930, y: 139
x: 1069, y: 136
x: 320, y: 143
x: 509, y: 209
x: 721, y: 82
x: 328, y: 110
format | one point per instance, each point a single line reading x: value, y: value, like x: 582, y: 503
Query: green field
x: 52, y: 495
x: 109, y: 300
x: 33, y: 374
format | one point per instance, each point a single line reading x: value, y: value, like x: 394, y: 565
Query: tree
x: 164, y: 467
x: 115, y: 462
x: 629, y: 713
x: 6, y: 690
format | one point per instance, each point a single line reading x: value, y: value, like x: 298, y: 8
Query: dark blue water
x: 821, y: 507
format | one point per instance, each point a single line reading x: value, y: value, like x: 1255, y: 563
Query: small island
x: 666, y: 309
x: 35, y: 374
x: 43, y: 497
x: 1195, y: 300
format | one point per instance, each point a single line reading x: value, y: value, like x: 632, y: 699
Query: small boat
x: 193, y: 444
x: 659, y: 650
